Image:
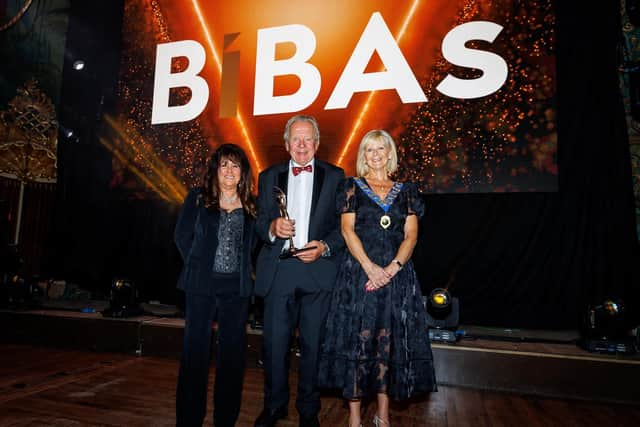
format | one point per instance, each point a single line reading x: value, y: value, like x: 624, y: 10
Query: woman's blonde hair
x: 377, y: 135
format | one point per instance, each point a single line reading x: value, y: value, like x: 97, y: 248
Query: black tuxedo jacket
x: 324, y: 223
x: 196, y: 236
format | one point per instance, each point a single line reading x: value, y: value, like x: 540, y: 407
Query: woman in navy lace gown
x: 377, y: 341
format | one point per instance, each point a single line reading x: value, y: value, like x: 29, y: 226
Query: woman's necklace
x: 228, y: 200
x: 382, y: 190
x: 381, y: 187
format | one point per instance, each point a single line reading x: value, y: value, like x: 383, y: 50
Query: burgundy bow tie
x: 297, y: 169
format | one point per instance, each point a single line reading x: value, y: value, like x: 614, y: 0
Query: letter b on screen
x: 165, y: 80
x: 267, y: 67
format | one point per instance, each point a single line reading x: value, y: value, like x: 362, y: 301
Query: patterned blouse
x: 229, y: 241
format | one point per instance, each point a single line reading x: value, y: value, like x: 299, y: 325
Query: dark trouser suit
x: 294, y: 295
x: 191, y: 395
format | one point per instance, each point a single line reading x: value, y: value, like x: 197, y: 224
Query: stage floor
x: 543, y: 364
x: 43, y: 386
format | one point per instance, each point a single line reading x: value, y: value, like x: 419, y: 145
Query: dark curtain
x: 100, y: 234
x: 538, y: 260
x: 36, y: 222
x: 79, y: 246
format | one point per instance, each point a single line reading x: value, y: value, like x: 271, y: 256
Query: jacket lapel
x: 283, y: 178
x: 213, y: 218
x: 318, y: 180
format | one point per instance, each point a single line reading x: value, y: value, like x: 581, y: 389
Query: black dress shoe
x: 309, y: 422
x: 268, y: 418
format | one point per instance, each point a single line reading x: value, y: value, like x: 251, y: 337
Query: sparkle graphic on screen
x: 518, y: 122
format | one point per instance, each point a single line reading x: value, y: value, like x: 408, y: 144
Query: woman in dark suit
x: 215, y: 234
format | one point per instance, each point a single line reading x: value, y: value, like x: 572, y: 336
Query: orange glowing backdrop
x: 443, y: 160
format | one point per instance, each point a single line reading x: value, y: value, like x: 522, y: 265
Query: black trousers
x: 231, y: 311
x: 293, y: 297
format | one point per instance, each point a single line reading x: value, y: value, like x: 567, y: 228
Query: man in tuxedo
x: 296, y: 288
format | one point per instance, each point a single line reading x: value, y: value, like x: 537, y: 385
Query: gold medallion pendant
x: 385, y: 221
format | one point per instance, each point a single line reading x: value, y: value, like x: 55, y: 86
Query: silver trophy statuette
x: 281, y: 201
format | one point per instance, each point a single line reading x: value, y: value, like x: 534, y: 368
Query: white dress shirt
x: 299, y: 194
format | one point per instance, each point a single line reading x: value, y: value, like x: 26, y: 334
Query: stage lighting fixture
x: 605, y: 329
x: 78, y: 65
x: 442, y: 316
x: 123, y: 299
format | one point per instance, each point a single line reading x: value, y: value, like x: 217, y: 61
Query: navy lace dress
x: 377, y: 342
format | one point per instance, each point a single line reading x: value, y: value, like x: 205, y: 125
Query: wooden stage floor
x: 43, y: 386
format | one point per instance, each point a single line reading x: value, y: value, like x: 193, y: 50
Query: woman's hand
x: 392, y: 269
x: 378, y: 277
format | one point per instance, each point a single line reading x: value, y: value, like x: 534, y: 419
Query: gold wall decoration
x: 29, y: 136
x: 28, y: 141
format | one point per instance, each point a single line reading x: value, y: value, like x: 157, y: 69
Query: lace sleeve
x: 415, y: 203
x: 346, y: 201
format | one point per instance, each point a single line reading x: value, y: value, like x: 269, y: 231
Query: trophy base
x: 292, y: 253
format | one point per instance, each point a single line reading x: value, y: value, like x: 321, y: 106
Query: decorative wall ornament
x: 28, y: 140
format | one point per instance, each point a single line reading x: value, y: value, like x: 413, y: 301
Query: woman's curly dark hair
x: 211, y: 188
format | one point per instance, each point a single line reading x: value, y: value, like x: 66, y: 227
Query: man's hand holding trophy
x: 285, y: 228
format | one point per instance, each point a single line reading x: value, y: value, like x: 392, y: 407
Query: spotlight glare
x: 440, y: 298
x: 78, y: 65
x: 612, y: 307
x: 66, y: 132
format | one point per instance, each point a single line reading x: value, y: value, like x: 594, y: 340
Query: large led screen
x: 466, y: 88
